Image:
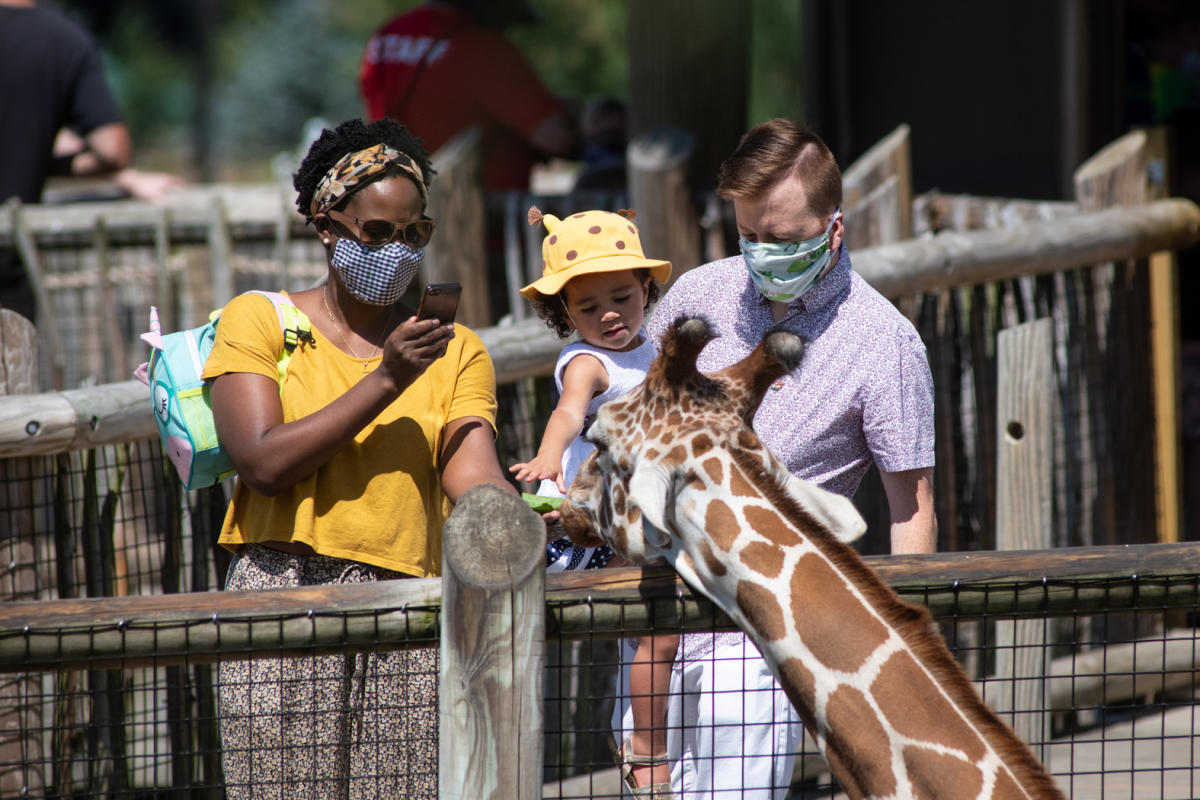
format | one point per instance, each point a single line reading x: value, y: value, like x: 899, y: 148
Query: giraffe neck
x: 889, y: 706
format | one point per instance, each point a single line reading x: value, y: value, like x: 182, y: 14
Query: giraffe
x: 678, y: 474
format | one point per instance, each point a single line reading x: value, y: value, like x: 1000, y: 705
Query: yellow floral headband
x: 354, y: 170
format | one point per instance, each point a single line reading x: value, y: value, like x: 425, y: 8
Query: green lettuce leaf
x: 540, y: 503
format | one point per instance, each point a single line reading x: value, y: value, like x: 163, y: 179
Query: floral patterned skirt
x: 355, y: 725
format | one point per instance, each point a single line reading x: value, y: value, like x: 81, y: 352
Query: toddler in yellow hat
x: 597, y: 282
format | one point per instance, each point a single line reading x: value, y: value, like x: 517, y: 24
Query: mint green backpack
x: 181, y: 404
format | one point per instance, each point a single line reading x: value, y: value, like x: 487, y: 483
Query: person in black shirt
x: 51, y: 80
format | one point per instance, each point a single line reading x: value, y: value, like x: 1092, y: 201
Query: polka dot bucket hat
x: 587, y: 243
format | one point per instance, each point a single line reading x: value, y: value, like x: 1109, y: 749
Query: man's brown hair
x: 775, y: 149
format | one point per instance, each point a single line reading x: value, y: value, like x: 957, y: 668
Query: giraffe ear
x: 833, y: 512
x: 652, y: 490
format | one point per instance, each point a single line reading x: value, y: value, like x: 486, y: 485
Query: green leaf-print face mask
x: 783, y: 271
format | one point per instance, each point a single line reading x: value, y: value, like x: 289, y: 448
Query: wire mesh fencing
x: 139, y: 696
x: 1113, y: 689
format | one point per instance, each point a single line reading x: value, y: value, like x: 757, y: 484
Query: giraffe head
x: 680, y: 434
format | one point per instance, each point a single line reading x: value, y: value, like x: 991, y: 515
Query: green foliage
x: 579, y: 47
x: 150, y: 81
x: 776, y: 61
x: 289, y: 64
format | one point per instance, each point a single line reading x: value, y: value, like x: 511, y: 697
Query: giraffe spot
x: 747, y: 440
x: 739, y: 485
x: 715, y: 470
x: 652, y: 454
x: 677, y: 454
x: 715, y: 565
x: 655, y: 431
x: 695, y: 481
x: 833, y: 623
x: 763, y: 559
x: 618, y: 500
x: 571, y: 255
x: 859, y: 738
x: 620, y: 539
x: 688, y: 563
x: 909, y: 701
x: 594, y: 229
x: 553, y: 238
x: 701, y: 444
x: 620, y: 244
x: 935, y: 775
x: 800, y: 686
x: 721, y: 525
x: 768, y: 524
x: 762, y: 610
x: 674, y: 419
x: 635, y: 515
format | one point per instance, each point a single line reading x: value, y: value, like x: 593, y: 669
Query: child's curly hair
x: 551, y: 308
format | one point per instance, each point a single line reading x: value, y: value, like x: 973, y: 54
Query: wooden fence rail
x: 174, y: 629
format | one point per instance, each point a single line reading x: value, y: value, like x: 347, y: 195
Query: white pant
x: 731, y: 731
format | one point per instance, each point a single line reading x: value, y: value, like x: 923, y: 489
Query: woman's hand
x: 271, y: 456
x: 411, y: 347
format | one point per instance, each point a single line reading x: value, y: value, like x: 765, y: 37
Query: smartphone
x: 440, y: 301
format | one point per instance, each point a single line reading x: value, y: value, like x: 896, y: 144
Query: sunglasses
x: 379, y: 232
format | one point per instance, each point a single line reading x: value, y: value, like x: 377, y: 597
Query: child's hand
x: 540, y: 469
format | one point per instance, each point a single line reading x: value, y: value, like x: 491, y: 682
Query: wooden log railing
x: 116, y: 412
x: 205, y: 627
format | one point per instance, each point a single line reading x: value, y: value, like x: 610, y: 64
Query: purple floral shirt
x: 863, y: 391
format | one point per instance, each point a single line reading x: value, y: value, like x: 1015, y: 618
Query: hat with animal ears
x: 587, y: 243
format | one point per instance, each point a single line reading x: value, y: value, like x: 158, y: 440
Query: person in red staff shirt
x: 445, y: 65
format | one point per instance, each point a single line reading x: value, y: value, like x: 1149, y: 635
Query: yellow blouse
x: 379, y: 500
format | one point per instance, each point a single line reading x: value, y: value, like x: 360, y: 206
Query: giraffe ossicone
x: 679, y: 474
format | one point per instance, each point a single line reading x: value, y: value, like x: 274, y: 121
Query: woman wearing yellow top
x: 343, y: 474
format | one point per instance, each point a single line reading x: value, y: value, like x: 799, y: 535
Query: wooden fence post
x: 21, y: 748
x: 458, y: 249
x: 667, y: 221
x: 1122, y: 342
x: 1024, y: 510
x: 493, y: 649
x: 877, y: 193
x: 220, y: 252
x: 26, y: 246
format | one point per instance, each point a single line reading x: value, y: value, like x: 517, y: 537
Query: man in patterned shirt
x: 863, y: 394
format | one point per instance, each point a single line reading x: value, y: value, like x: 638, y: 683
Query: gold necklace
x: 345, y: 342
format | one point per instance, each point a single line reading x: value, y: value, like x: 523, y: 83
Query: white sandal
x: 627, y: 760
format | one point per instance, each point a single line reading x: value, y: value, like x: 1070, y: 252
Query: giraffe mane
x: 914, y: 624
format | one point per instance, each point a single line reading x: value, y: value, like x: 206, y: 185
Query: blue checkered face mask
x: 783, y: 271
x: 377, y: 276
